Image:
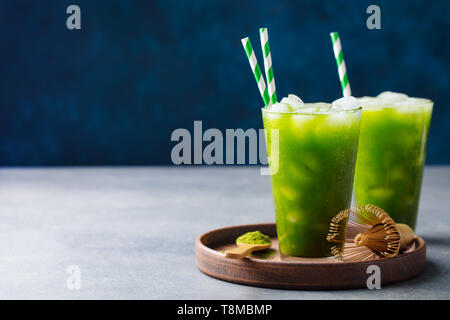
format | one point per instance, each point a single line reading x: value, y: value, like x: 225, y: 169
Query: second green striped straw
x: 256, y: 70
x: 264, y: 35
x: 342, y: 70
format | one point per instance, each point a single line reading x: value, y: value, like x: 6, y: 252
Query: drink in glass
x: 313, y: 169
x: 391, y: 154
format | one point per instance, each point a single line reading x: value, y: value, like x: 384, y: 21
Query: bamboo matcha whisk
x: 366, y: 233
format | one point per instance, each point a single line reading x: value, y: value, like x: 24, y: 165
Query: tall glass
x: 391, y: 156
x: 312, y: 173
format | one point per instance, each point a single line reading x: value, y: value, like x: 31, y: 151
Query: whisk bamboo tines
x: 367, y: 233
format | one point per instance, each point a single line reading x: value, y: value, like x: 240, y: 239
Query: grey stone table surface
x: 131, y: 231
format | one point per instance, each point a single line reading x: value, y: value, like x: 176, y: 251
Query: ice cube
x: 293, y: 101
x: 369, y: 102
x: 346, y: 103
x: 392, y: 97
x: 300, y: 122
x: 413, y: 102
x: 338, y: 119
x: 279, y: 107
x: 308, y: 110
x: 321, y: 107
x: 297, y: 100
x: 410, y: 105
x: 418, y: 104
x: 314, y: 108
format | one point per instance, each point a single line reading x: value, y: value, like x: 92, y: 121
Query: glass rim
x: 266, y: 109
x: 392, y: 105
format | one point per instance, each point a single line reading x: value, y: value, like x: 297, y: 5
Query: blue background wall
x: 112, y: 93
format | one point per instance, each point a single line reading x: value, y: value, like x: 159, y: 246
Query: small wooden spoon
x: 244, y: 249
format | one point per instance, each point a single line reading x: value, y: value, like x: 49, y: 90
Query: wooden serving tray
x: 273, y: 270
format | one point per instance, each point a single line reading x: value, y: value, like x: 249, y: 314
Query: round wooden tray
x: 273, y: 270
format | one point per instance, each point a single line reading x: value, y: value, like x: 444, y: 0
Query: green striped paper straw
x: 342, y: 70
x: 268, y: 64
x: 256, y: 70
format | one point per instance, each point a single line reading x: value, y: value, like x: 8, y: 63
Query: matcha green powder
x: 254, y: 237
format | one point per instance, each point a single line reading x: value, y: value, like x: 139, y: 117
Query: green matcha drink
x: 391, y: 155
x: 314, y: 164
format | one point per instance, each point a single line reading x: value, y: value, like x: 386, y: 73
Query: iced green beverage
x: 312, y: 170
x: 391, y: 156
